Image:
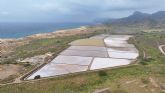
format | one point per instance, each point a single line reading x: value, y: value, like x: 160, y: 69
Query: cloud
x: 4, y: 13
x: 74, y: 10
x: 49, y: 7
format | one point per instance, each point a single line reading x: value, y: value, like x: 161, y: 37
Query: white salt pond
x: 123, y: 49
x: 99, y: 63
x: 108, y: 44
x: 52, y: 69
x: 98, y: 52
x: 85, y: 53
x: 123, y: 55
x: 102, y: 36
x: 115, y: 41
x: 118, y: 41
x: 87, y: 48
x: 76, y: 60
x: 118, y: 37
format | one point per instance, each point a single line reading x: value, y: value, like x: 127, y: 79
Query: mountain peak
x: 138, y: 13
x: 159, y: 13
x: 142, y: 19
x: 137, y: 16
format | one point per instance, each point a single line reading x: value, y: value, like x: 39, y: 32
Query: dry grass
x: 132, y: 79
x: 88, y: 42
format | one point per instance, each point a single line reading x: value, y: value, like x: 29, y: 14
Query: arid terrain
x: 146, y: 76
x: 82, y: 46
x: 24, y: 57
x: 11, y: 53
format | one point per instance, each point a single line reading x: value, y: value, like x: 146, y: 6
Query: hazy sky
x: 73, y: 10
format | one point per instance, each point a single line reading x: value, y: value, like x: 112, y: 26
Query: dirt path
x: 144, y: 54
x: 161, y: 49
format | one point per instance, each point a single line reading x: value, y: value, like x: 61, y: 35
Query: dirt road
x: 161, y: 49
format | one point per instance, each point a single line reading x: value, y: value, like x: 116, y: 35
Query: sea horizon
x: 14, y: 30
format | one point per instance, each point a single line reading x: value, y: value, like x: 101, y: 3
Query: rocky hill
x: 139, y: 19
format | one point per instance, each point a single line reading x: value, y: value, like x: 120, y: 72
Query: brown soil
x: 8, y: 70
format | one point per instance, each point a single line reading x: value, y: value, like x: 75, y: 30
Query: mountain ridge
x: 140, y: 19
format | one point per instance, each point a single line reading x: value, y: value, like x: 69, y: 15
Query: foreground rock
x: 36, y: 60
x: 105, y: 90
x: 162, y: 86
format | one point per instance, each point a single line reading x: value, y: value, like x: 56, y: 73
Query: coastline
x: 43, y: 34
x: 7, y: 45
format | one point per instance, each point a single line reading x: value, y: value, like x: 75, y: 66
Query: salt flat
x: 123, y: 49
x: 76, y: 60
x: 118, y: 44
x: 52, y: 69
x: 115, y: 41
x: 99, y: 63
x: 76, y: 68
x: 87, y: 48
x: 97, y: 52
x: 85, y: 53
x: 118, y: 37
x: 102, y: 36
x: 88, y: 42
x: 123, y: 55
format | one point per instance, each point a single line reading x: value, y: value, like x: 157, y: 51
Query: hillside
x: 147, y: 76
x: 139, y: 19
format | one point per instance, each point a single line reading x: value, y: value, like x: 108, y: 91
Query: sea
x: 22, y: 29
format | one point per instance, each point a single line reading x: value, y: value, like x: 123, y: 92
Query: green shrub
x: 102, y: 73
x: 144, y: 63
x: 27, y: 64
x: 144, y: 80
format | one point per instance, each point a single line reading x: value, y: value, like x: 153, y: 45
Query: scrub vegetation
x: 146, y: 76
x: 42, y: 46
x: 39, y: 47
